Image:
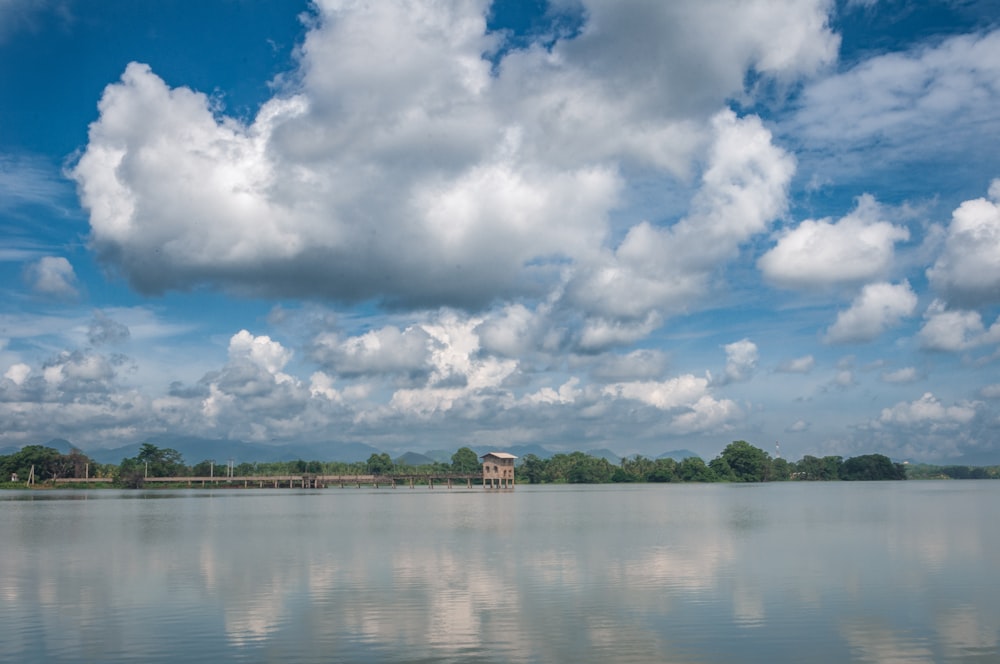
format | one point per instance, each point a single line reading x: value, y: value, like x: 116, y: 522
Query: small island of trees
x: 740, y: 461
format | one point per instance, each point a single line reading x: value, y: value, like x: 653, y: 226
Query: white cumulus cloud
x: 955, y: 330
x: 53, y: 276
x: 968, y: 270
x: 743, y: 190
x: 260, y: 351
x: 17, y: 373
x: 442, y: 177
x: 928, y: 409
x: 877, y: 308
x: 819, y: 253
x: 741, y: 360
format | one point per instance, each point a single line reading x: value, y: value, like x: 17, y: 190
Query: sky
x: 426, y: 224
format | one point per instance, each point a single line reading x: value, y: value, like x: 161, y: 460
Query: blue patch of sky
x: 235, y: 48
x: 525, y: 23
x: 893, y: 25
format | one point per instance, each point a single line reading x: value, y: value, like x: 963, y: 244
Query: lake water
x: 786, y: 572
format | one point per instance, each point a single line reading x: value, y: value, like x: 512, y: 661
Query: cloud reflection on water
x: 637, y: 574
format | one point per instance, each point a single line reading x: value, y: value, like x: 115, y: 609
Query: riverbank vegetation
x: 738, y: 462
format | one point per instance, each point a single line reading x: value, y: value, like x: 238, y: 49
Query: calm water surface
x: 790, y: 572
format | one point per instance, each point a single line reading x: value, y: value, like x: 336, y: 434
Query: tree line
x: 46, y: 463
x: 738, y: 462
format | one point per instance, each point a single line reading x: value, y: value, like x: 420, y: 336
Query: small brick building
x: 498, y: 470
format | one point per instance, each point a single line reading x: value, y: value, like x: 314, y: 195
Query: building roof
x: 499, y: 455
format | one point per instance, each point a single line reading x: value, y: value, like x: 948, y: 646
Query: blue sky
x: 625, y: 225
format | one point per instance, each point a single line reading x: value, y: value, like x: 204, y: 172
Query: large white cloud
x: 955, y: 329
x: 968, y: 270
x: 398, y: 163
x: 252, y: 396
x: 743, y: 189
x: 819, y: 253
x: 878, y: 307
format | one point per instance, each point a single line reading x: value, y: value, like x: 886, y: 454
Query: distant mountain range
x: 416, y: 459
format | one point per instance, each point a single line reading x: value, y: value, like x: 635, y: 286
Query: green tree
x: 47, y: 461
x: 533, y: 469
x: 723, y: 471
x: 157, y: 462
x: 815, y: 469
x: 245, y: 469
x: 693, y: 469
x: 380, y: 464
x: 465, y: 461
x: 590, y: 470
x: 130, y: 474
x: 558, y: 467
x: 781, y: 470
x: 664, y: 470
x: 203, y: 468
x: 635, y: 469
x: 872, y: 467
x: 833, y: 465
x: 748, y: 463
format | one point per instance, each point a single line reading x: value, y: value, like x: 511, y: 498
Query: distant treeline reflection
x: 739, y: 462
